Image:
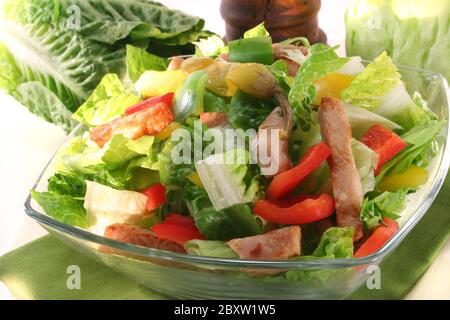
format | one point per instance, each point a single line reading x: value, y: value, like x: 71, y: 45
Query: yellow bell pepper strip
x: 167, y: 132
x: 155, y: 83
x: 189, y: 97
x: 413, y: 177
x: 331, y: 86
x: 258, y: 49
x: 195, y: 179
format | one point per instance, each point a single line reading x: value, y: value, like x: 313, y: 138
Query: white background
x: 27, y: 143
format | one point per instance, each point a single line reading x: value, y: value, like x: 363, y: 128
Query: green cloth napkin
x: 38, y: 270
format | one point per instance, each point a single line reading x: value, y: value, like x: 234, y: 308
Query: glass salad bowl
x: 198, y: 277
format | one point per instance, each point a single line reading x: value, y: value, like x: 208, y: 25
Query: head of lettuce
x: 413, y: 32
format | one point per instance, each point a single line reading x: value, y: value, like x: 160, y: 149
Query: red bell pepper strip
x: 291, y: 200
x: 179, y: 220
x: 384, y: 142
x: 286, y: 181
x: 309, y: 210
x: 156, y: 195
x: 176, y: 233
x: 378, y: 238
x: 166, y: 98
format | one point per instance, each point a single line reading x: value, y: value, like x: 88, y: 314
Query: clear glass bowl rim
x: 268, y: 264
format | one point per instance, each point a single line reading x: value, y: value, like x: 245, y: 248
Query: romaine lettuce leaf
x: 64, y: 208
x: 120, y: 150
x: 56, y: 59
x: 386, y: 204
x: 77, y: 155
x: 335, y: 243
x: 228, y: 179
x: 69, y: 57
x: 45, y: 104
x: 280, y: 71
x: 214, y: 103
x: 421, y: 103
x: 379, y: 89
x: 321, y: 60
x: 233, y: 222
x: 107, y: 102
x: 122, y: 163
x: 362, y: 119
x: 139, y: 61
x: 172, y: 174
x: 248, y: 112
x: 366, y: 161
x: 10, y: 77
x: 67, y: 184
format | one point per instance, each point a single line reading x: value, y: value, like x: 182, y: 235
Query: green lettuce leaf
x: 248, y: 112
x: 139, y: 61
x: 122, y: 163
x: 120, y: 150
x: 69, y: 45
x: 62, y: 207
x: 230, y: 223
x: 44, y: 103
x: 109, y: 21
x: 67, y: 184
x: 77, y: 155
x: 379, y: 89
x: 386, y: 204
x: 10, y: 77
x: 280, y: 71
x: 335, y: 243
x: 67, y: 65
x: 172, y: 174
x: 321, y: 60
x: 214, y: 103
x: 210, y: 248
x: 107, y: 102
x: 423, y: 104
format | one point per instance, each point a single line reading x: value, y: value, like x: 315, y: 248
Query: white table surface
x: 27, y: 143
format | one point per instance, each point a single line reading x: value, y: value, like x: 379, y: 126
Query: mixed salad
x: 323, y: 153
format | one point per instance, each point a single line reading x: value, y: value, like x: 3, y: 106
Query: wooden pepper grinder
x: 283, y: 18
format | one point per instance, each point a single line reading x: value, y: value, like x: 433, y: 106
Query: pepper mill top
x: 283, y: 18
